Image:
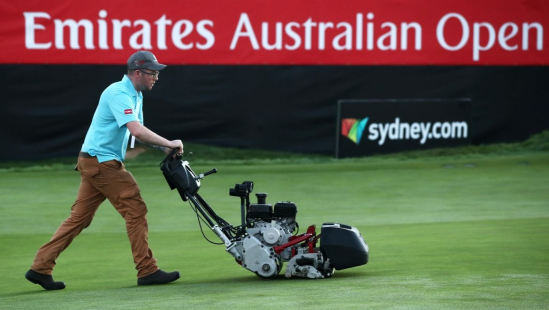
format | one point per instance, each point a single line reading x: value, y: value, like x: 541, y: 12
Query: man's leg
x: 125, y: 196
x: 82, y: 212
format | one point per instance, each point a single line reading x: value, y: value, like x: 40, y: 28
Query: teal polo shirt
x: 108, y: 135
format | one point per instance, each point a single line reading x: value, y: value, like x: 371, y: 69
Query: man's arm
x: 154, y: 146
x: 151, y: 139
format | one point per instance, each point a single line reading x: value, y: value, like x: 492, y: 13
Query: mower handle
x: 172, y: 154
x: 202, y: 175
x: 169, y: 158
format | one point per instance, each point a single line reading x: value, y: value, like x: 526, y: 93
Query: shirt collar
x: 129, y: 85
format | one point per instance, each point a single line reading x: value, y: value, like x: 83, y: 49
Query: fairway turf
x: 468, y: 232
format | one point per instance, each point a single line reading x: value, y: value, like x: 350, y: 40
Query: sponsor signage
x: 316, y: 32
x: 368, y: 127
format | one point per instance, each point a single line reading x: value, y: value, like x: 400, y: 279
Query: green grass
x: 461, y: 229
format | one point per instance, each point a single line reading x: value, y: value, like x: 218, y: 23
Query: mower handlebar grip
x: 214, y: 170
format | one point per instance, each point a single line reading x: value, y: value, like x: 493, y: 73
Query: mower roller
x: 268, y: 236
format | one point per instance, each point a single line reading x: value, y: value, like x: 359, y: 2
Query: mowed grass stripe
x: 378, y: 192
x: 496, y: 263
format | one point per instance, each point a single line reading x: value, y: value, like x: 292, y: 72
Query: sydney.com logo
x: 354, y: 129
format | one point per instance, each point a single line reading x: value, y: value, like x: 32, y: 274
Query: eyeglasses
x: 156, y: 74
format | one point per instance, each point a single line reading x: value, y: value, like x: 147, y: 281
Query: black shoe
x: 46, y: 281
x: 159, y: 277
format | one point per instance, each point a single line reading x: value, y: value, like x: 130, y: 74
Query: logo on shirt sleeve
x: 128, y: 111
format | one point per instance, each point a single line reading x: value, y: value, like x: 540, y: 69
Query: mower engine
x: 274, y: 229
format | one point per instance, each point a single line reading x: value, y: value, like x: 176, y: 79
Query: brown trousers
x: 100, y: 181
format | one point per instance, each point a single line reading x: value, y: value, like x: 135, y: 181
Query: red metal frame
x: 293, y: 240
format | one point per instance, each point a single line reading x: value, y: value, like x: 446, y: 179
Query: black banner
x: 373, y: 126
x: 45, y: 110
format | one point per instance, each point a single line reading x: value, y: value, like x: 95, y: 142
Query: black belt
x: 85, y: 155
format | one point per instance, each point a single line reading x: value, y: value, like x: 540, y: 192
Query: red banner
x: 305, y: 32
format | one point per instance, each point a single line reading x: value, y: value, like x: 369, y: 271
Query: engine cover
x: 272, y: 233
x: 258, y: 258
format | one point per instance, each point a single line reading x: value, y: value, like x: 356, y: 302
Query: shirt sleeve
x: 123, y: 109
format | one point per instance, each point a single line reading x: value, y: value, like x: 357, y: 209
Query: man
x: 103, y: 175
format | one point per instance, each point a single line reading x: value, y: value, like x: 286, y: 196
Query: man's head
x: 143, y: 70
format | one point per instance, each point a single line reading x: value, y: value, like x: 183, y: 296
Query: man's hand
x: 176, y: 144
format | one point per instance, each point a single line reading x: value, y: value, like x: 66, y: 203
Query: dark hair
x: 130, y: 71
